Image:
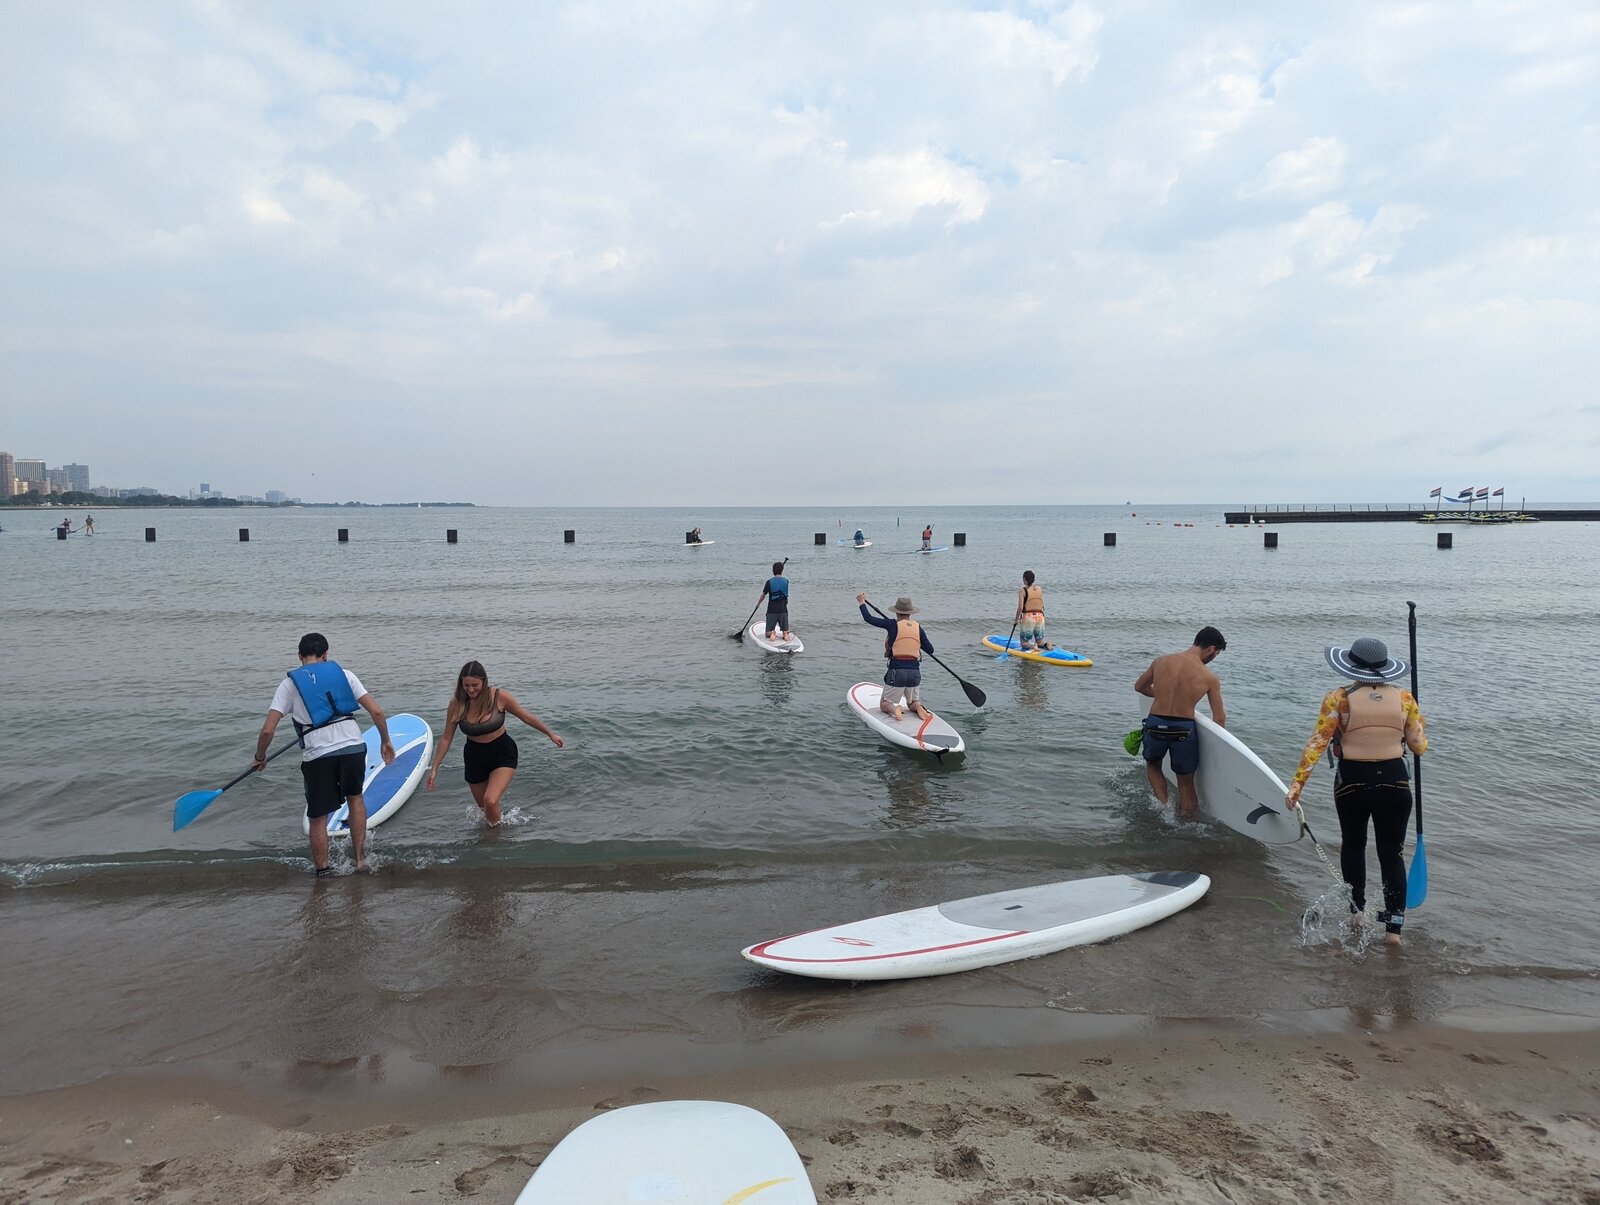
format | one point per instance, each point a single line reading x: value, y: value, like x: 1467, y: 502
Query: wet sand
x: 1416, y: 1113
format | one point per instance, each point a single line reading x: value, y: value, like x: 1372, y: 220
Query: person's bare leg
x: 1188, y: 801
x: 1158, y: 780
x: 358, y: 830
x: 319, y: 842
x: 494, y: 790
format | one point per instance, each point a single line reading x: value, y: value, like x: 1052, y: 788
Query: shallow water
x: 710, y: 796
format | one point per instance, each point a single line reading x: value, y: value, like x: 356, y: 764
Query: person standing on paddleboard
x: 776, y: 592
x: 88, y: 526
x: 489, y: 755
x: 1030, y: 615
x: 1174, y: 683
x: 927, y: 536
x: 1370, y: 723
x: 320, y: 698
x: 904, y: 647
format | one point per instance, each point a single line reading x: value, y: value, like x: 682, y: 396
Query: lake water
x: 710, y: 796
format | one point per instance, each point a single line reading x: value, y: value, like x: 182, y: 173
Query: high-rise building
x: 31, y: 471
x: 205, y: 488
x: 276, y: 496
x: 8, y: 474
x: 77, y: 477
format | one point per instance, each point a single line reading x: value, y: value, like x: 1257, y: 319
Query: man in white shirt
x: 319, y: 698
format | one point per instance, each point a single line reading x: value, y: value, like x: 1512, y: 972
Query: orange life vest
x: 1375, y: 729
x: 1033, y: 598
x: 906, y: 644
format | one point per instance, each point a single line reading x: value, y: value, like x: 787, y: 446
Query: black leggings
x: 1379, y: 791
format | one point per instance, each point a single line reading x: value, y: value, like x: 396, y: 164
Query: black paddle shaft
x: 974, y: 695
x: 1416, y: 759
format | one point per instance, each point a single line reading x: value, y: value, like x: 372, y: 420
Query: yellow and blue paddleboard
x: 1056, y: 656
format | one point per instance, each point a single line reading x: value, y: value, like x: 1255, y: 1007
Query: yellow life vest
x: 1033, y: 598
x: 907, y: 642
x: 1375, y: 730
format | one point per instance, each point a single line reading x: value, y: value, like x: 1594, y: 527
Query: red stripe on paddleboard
x: 760, y: 951
x: 924, y: 728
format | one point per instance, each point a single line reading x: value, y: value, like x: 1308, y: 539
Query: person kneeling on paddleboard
x: 776, y: 592
x: 1030, y: 615
x: 320, y: 698
x: 1371, y: 722
x: 904, y: 647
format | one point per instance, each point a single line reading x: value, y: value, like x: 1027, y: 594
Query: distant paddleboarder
x: 1175, y: 682
x: 320, y: 698
x: 904, y: 646
x: 1370, y: 723
x: 88, y: 526
x: 860, y: 536
x: 695, y: 538
x: 927, y: 536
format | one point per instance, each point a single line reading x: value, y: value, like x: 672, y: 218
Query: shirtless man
x: 1176, y: 682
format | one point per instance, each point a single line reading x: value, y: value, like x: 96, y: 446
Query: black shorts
x: 331, y: 779
x: 482, y: 758
x: 778, y: 621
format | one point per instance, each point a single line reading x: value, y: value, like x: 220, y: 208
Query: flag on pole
x: 1466, y: 493
x: 1436, y: 491
x: 1499, y: 492
x: 1484, y: 492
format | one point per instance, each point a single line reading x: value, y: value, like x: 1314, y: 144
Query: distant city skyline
x: 21, y: 475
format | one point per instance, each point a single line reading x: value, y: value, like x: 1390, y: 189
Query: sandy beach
x: 1415, y: 1114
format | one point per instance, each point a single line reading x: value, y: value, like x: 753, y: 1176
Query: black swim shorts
x: 482, y: 758
x: 331, y: 779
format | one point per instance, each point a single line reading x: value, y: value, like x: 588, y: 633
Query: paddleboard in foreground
x: 1236, y: 788
x: 984, y: 930
x: 1055, y: 656
x: 676, y: 1152
x: 758, y: 636
x: 927, y: 736
x: 388, y: 787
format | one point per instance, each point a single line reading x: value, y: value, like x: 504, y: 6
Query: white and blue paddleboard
x: 855, y: 544
x: 925, y: 551
x: 984, y: 930
x: 673, y: 1152
x: 388, y: 787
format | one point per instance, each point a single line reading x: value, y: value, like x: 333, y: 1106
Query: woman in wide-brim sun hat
x: 1370, y: 722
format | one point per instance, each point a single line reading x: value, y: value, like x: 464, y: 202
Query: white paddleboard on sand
x: 1236, y: 788
x: 926, y: 736
x: 984, y: 930
x: 387, y: 787
x: 673, y: 1152
x: 758, y: 636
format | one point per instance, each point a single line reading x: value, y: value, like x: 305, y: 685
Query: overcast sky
x: 708, y: 253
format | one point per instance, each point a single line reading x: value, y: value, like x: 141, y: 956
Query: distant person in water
x: 88, y: 526
x: 776, y: 592
x: 1175, y: 682
x: 320, y: 698
x: 860, y: 536
x: 694, y: 537
x: 904, y: 646
x: 927, y: 536
x: 489, y: 754
x: 1371, y: 723
x: 1030, y: 615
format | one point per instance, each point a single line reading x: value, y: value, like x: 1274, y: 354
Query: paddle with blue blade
x: 190, y: 805
x: 1007, y: 653
x: 1417, y: 876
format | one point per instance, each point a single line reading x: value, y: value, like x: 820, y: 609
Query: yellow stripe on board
x: 744, y: 1194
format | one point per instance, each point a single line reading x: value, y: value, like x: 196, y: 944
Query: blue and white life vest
x: 325, y: 691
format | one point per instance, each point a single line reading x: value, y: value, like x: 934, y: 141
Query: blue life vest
x: 777, y: 592
x: 325, y: 691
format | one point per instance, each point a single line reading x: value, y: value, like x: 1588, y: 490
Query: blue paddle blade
x: 1417, y: 878
x: 191, y: 805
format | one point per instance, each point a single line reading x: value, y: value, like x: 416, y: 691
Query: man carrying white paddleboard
x: 904, y: 646
x: 1174, y: 683
x: 320, y: 697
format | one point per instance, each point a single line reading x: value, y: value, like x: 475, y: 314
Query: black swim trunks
x: 331, y: 779
x: 482, y: 758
